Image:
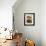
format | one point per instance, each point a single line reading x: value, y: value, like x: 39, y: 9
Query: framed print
x: 29, y: 19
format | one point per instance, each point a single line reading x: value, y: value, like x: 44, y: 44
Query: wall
x: 6, y: 16
x: 29, y: 32
x: 43, y: 22
x: 6, y: 13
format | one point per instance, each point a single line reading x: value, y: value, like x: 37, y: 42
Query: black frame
x: 33, y: 19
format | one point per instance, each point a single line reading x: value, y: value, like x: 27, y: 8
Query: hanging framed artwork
x: 29, y: 19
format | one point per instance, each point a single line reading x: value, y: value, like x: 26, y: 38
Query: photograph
x: 29, y: 19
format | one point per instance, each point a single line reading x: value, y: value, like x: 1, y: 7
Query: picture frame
x: 29, y: 19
